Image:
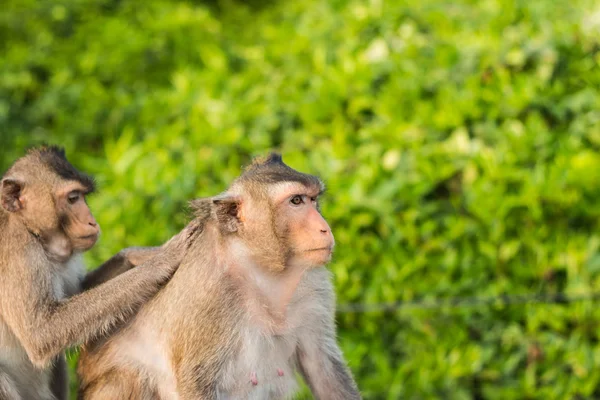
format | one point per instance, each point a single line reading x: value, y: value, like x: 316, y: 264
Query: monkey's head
x: 45, y: 193
x: 271, y: 212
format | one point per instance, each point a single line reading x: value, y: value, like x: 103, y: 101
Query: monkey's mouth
x: 88, y: 239
x: 328, y: 248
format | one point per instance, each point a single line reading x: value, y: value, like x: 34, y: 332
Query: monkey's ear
x: 228, y: 212
x: 11, y: 192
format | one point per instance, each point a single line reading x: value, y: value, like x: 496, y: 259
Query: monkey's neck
x: 268, y: 294
x: 279, y: 287
x: 14, y: 231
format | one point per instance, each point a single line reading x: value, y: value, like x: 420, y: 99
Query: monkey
x: 45, y: 226
x: 251, y: 305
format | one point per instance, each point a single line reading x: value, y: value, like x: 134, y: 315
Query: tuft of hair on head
x: 271, y: 170
x: 200, y: 208
x: 46, y: 150
x: 55, y: 159
x: 271, y: 158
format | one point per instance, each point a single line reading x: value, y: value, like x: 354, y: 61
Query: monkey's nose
x: 325, y: 232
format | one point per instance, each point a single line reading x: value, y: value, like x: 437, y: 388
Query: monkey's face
x: 68, y: 227
x: 57, y: 215
x: 283, y: 227
x: 47, y: 194
x: 299, y: 220
x: 75, y: 217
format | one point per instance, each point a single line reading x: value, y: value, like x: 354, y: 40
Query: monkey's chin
x: 319, y: 257
x: 85, y: 243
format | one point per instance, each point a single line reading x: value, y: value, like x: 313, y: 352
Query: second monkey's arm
x: 121, y: 262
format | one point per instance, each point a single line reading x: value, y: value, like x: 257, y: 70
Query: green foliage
x: 459, y: 140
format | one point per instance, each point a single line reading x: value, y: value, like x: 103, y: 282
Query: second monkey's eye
x: 297, y: 200
x: 73, y: 197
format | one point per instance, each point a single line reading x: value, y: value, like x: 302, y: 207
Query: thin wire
x: 467, y: 302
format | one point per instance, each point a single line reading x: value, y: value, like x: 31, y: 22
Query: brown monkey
x: 45, y: 225
x: 250, y: 305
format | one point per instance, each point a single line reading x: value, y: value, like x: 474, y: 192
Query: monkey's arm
x: 325, y: 371
x: 320, y: 359
x: 121, y: 262
x: 45, y: 326
x: 49, y: 326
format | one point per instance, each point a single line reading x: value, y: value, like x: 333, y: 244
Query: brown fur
x: 45, y: 225
x: 250, y: 305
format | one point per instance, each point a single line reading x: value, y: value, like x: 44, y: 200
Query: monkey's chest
x: 263, y: 368
x: 67, y: 277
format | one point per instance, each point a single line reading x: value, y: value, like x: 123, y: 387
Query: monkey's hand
x: 173, y: 251
x: 138, y: 255
x: 185, y: 237
x: 121, y: 262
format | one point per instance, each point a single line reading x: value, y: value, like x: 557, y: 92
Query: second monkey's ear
x: 228, y: 212
x: 11, y: 194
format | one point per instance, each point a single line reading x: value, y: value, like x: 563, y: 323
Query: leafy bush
x: 459, y: 141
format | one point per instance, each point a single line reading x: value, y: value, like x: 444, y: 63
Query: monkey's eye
x: 73, y: 197
x: 297, y: 200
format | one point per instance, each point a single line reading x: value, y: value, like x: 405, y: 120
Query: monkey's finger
x: 193, y: 229
x: 183, y: 239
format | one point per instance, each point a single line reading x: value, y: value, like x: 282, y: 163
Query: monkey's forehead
x: 65, y: 170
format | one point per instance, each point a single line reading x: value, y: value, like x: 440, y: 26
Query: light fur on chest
x: 265, y: 366
x: 67, y: 277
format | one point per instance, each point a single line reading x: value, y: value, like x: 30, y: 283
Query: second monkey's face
x: 299, y: 222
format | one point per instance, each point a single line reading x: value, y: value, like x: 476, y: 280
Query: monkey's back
x: 143, y: 351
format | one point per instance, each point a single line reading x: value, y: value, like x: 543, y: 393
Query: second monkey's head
x: 272, y: 213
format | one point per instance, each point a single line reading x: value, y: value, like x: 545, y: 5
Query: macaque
x: 45, y: 226
x: 250, y: 306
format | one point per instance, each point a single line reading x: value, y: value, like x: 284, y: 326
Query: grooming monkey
x: 250, y: 305
x: 45, y: 225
